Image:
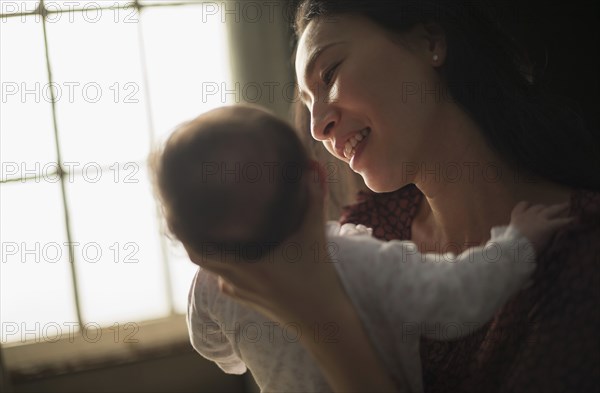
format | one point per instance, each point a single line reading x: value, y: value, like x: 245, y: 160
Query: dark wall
x: 562, y: 39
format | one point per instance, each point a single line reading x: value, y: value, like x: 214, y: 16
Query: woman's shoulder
x: 585, y: 204
x: 389, y: 214
x: 541, y: 339
x: 579, y: 237
x: 560, y: 308
x: 574, y: 252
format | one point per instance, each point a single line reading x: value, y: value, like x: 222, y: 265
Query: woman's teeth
x: 350, y: 147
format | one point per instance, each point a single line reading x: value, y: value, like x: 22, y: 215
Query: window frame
x: 73, y: 352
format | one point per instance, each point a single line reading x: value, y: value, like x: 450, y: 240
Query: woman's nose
x: 321, y: 123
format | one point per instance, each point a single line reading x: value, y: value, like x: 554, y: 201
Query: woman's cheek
x: 333, y: 95
x: 329, y: 146
x: 351, y: 97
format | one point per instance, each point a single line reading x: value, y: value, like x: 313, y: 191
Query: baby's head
x: 233, y: 178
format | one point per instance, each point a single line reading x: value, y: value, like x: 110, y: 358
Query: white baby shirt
x: 399, y: 294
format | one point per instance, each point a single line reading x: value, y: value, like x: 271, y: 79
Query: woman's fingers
x: 202, y: 259
x: 239, y: 294
x: 226, y: 287
x: 216, y: 266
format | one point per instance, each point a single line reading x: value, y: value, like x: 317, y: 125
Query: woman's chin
x: 379, y: 184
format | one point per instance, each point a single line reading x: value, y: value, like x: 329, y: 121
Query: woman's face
x: 367, y: 89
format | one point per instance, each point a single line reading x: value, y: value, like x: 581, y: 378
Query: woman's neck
x: 469, y: 190
x: 461, y: 216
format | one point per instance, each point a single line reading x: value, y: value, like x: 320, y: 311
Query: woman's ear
x: 428, y: 41
x: 436, y: 39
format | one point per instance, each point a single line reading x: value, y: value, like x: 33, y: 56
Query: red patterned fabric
x: 547, y: 338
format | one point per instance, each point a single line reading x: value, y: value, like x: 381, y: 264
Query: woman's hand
x: 307, y: 292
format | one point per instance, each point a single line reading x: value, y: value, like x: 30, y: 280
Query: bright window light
x: 36, y: 290
x: 26, y: 100
x: 94, y: 86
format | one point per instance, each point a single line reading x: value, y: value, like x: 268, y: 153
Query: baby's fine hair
x: 232, y: 179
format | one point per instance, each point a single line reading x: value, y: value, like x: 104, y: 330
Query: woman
x: 431, y: 101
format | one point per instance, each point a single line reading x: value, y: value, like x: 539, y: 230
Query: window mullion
x: 61, y: 172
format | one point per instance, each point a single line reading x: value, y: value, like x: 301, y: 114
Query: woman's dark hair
x: 489, y: 75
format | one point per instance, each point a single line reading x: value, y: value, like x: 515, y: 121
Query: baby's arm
x: 444, y: 289
x: 206, y: 334
x: 401, y: 295
x: 453, y: 297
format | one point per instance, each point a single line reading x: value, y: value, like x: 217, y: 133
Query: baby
x: 230, y: 181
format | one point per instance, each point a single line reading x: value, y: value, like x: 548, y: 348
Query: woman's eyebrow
x: 312, y: 59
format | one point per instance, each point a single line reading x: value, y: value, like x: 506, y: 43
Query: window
x: 88, y: 88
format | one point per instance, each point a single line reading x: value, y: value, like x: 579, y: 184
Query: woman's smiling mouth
x: 351, y: 144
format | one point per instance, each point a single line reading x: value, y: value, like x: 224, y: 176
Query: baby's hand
x: 539, y: 222
x: 355, y: 230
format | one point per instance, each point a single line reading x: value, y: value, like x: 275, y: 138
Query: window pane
x: 101, y: 113
x: 185, y: 55
x: 18, y: 6
x: 27, y: 137
x: 120, y: 269
x: 36, y: 295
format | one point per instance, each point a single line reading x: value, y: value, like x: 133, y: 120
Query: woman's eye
x: 328, y: 76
